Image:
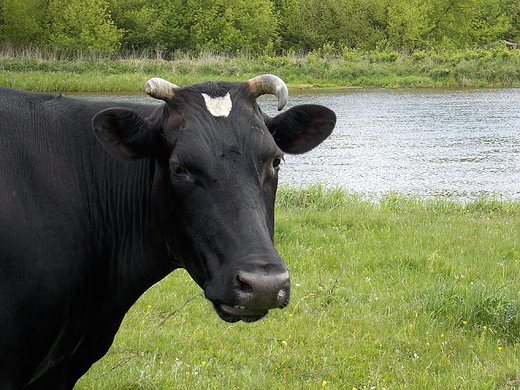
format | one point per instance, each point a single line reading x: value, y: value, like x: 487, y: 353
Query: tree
x: 512, y: 9
x: 62, y: 24
x: 406, y: 23
x: 81, y: 25
x: 257, y: 26
x: 218, y: 25
x: 490, y: 23
x: 462, y: 23
x: 140, y: 21
x: 22, y: 21
x: 346, y: 23
x: 231, y: 25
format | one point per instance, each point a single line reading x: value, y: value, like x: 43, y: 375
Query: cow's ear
x: 124, y: 133
x: 302, y: 127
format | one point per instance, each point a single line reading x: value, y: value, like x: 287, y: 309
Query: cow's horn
x: 159, y: 88
x: 271, y: 84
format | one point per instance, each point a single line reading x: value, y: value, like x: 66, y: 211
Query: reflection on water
x: 458, y: 142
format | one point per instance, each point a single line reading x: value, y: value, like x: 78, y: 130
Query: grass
x: 35, y: 69
x: 399, y: 293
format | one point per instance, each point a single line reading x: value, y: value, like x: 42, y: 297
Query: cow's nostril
x: 244, y: 286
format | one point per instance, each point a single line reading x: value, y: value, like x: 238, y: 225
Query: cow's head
x: 218, y: 157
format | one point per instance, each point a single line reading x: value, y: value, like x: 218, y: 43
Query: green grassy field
x: 399, y: 293
x: 48, y: 71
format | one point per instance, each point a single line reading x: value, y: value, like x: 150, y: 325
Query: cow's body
x: 84, y: 233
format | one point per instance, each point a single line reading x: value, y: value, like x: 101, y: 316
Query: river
x: 461, y: 143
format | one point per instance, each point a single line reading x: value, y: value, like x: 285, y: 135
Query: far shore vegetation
x: 115, y: 45
x: 37, y: 69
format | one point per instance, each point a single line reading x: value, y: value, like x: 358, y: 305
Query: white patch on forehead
x: 218, y: 106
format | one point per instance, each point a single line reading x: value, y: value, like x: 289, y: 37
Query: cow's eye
x: 277, y: 162
x: 179, y: 169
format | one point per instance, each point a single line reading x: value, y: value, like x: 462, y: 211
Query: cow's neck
x: 134, y: 257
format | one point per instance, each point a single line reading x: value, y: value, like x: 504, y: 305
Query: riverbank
x: 398, y: 294
x: 492, y: 67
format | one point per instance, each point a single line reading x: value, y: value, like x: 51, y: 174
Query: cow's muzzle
x: 256, y: 294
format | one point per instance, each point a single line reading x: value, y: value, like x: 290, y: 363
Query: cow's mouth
x: 239, y: 313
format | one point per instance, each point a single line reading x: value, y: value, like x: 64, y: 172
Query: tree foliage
x: 257, y: 26
x: 66, y: 25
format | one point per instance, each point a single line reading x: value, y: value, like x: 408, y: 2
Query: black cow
x: 189, y: 183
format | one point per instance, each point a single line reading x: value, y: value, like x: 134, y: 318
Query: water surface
x: 460, y: 143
